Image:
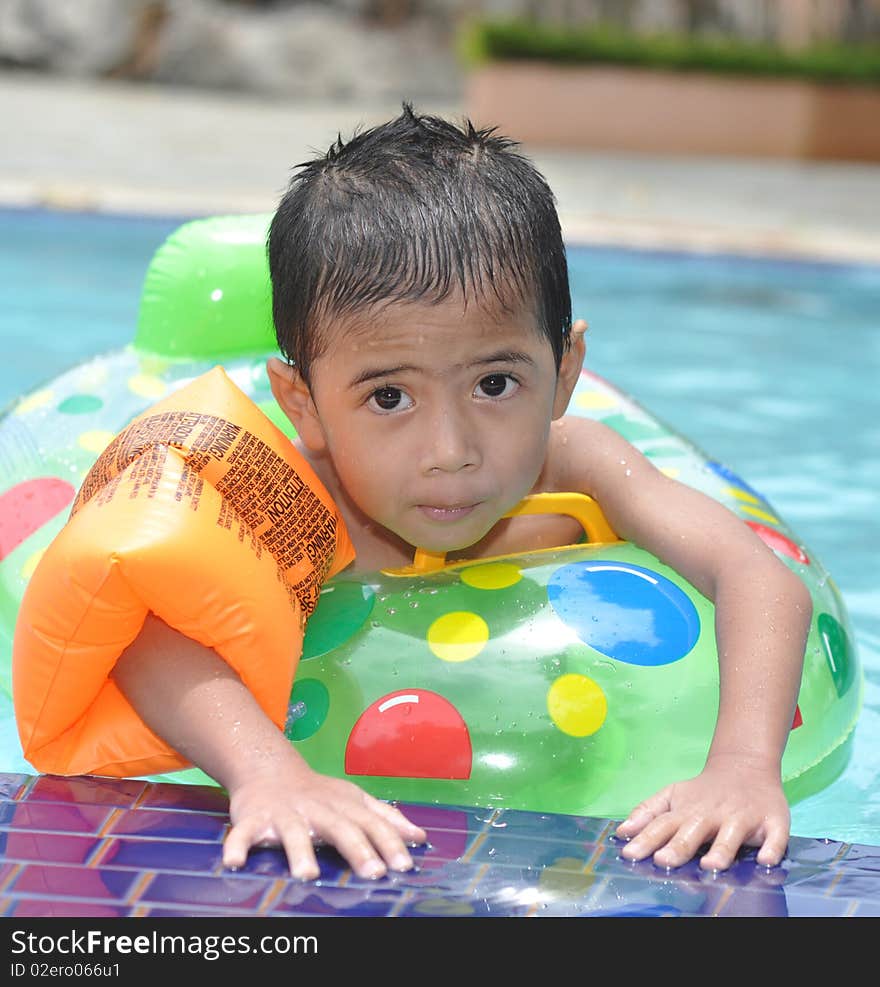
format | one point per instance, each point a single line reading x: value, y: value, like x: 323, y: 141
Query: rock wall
x: 347, y: 49
x: 355, y: 48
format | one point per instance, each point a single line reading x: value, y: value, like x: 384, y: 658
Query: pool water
x: 771, y: 366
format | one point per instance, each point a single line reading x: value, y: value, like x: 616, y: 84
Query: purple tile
x: 462, y: 820
x: 168, y: 824
x: 12, y: 784
x: 81, y: 789
x: 543, y: 826
x: 239, y: 894
x: 46, y: 847
x: 85, y: 883
x: 442, y: 845
x: 314, y: 900
x: 195, y: 798
x: 859, y: 885
x: 867, y: 909
x: 56, y: 817
x: 861, y: 857
x: 755, y: 903
x: 272, y: 862
x: 41, y: 908
x: 162, y: 912
x: 446, y: 876
x: 438, y: 906
x: 804, y: 905
x: 804, y: 851
x: 514, y: 851
x: 162, y: 855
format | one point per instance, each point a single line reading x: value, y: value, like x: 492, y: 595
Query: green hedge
x: 490, y: 40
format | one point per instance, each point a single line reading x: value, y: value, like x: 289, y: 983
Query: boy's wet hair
x: 415, y: 209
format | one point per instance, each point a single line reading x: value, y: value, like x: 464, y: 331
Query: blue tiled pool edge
x: 102, y: 848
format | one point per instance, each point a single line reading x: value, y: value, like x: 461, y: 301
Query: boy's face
x: 435, y: 416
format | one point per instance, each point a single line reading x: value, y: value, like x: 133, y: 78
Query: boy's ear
x: 295, y: 400
x: 570, y: 368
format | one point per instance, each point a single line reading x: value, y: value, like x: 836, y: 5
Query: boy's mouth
x: 439, y: 512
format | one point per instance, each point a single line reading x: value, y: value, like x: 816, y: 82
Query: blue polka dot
x: 624, y: 611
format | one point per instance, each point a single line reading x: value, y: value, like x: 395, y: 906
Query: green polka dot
x: 342, y: 611
x: 838, y: 652
x: 309, y: 704
x: 80, y: 404
x: 667, y: 450
x: 634, y: 430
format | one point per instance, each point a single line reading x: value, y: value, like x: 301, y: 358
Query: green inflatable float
x: 575, y: 680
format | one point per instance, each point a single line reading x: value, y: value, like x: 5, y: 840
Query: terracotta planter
x: 619, y: 108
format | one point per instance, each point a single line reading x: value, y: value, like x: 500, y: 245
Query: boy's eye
x: 389, y: 399
x: 496, y: 386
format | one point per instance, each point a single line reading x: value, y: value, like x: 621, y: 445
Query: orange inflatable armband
x: 202, y: 512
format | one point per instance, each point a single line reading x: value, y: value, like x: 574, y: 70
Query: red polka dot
x: 27, y: 506
x: 778, y: 542
x: 412, y: 733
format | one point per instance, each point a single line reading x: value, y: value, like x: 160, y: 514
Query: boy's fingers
x: 774, y: 846
x: 684, y: 841
x: 240, y: 838
x: 726, y: 845
x: 300, y: 852
x: 408, y: 830
x: 351, y: 840
x: 643, y: 814
x: 656, y: 834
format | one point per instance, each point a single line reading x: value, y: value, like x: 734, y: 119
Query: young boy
x: 420, y: 295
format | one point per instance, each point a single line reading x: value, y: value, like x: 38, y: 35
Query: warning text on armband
x: 261, y: 492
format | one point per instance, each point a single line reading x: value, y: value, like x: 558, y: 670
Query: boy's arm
x: 762, y: 617
x: 198, y: 705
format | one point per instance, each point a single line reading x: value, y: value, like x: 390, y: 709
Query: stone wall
x: 346, y: 49
x: 354, y: 48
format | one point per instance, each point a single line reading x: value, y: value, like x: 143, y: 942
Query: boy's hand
x: 192, y: 699
x: 730, y: 804
x: 294, y: 806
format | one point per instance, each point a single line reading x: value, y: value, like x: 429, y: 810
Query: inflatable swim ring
x: 574, y: 680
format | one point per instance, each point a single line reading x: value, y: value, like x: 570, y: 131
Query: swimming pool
x: 770, y: 366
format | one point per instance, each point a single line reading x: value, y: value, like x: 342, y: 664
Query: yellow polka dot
x: 763, y: 515
x: 27, y: 570
x: 576, y: 705
x: 147, y: 386
x: 743, y: 495
x: 595, y: 399
x: 152, y: 364
x: 493, y: 575
x: 458, y: 636
x: 39, y: 399
x: 670, y: 471
x: 95, y: 441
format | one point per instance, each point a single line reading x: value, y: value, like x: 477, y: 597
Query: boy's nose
x: 449, y: 444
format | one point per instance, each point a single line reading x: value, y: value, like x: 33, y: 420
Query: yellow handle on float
x: 581, y: 507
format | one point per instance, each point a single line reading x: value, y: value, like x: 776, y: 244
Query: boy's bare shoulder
x: 581, y: 451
